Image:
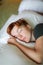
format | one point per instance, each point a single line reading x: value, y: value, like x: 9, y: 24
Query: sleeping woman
x: 23, y: 31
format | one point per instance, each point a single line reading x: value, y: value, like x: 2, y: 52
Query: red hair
x: 18, y: 22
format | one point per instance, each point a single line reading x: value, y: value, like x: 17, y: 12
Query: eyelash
x: 19, y: 30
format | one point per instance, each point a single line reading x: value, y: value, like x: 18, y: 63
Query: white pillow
x: 3, y: 32
x: 31, y: 5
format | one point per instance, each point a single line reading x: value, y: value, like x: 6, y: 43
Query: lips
x: 24, y: 39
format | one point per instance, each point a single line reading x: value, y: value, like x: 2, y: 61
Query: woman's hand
x: 12, y: 40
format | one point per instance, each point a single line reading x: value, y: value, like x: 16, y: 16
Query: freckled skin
x: 21, y: 33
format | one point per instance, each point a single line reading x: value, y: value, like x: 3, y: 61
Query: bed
x: 9, y: 54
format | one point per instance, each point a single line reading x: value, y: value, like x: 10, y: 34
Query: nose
x: 21, y: 37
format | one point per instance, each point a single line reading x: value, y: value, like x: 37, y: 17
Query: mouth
x: 25, y: 40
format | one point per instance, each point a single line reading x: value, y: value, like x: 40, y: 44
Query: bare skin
x: 24, y: 33
x: 35, y: 54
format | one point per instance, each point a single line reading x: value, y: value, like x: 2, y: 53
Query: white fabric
x: 3, y: 32
x: 31, y: 17
x: 35, y: 5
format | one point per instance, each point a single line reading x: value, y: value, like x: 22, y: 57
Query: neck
x: 33, y: 38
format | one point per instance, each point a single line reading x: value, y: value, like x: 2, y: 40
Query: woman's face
x: 21, y: 32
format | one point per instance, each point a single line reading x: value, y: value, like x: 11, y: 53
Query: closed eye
x: 19, y: 30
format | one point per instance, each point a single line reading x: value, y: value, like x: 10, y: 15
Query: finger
x: 10, y: 40
x: 11, y: 36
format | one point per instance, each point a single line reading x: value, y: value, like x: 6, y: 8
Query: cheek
x: 23, y: 33
x: 26, y: 40
x: 27, y: 35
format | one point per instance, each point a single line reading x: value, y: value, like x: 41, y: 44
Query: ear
x: 29, y: 26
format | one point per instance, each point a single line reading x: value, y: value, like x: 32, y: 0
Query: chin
x: 26, y: 41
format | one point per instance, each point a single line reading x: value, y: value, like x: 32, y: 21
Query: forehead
x: 15, y: 27
x: 21, y: 26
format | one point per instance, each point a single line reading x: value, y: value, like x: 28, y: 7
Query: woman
x: 21, y: 30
